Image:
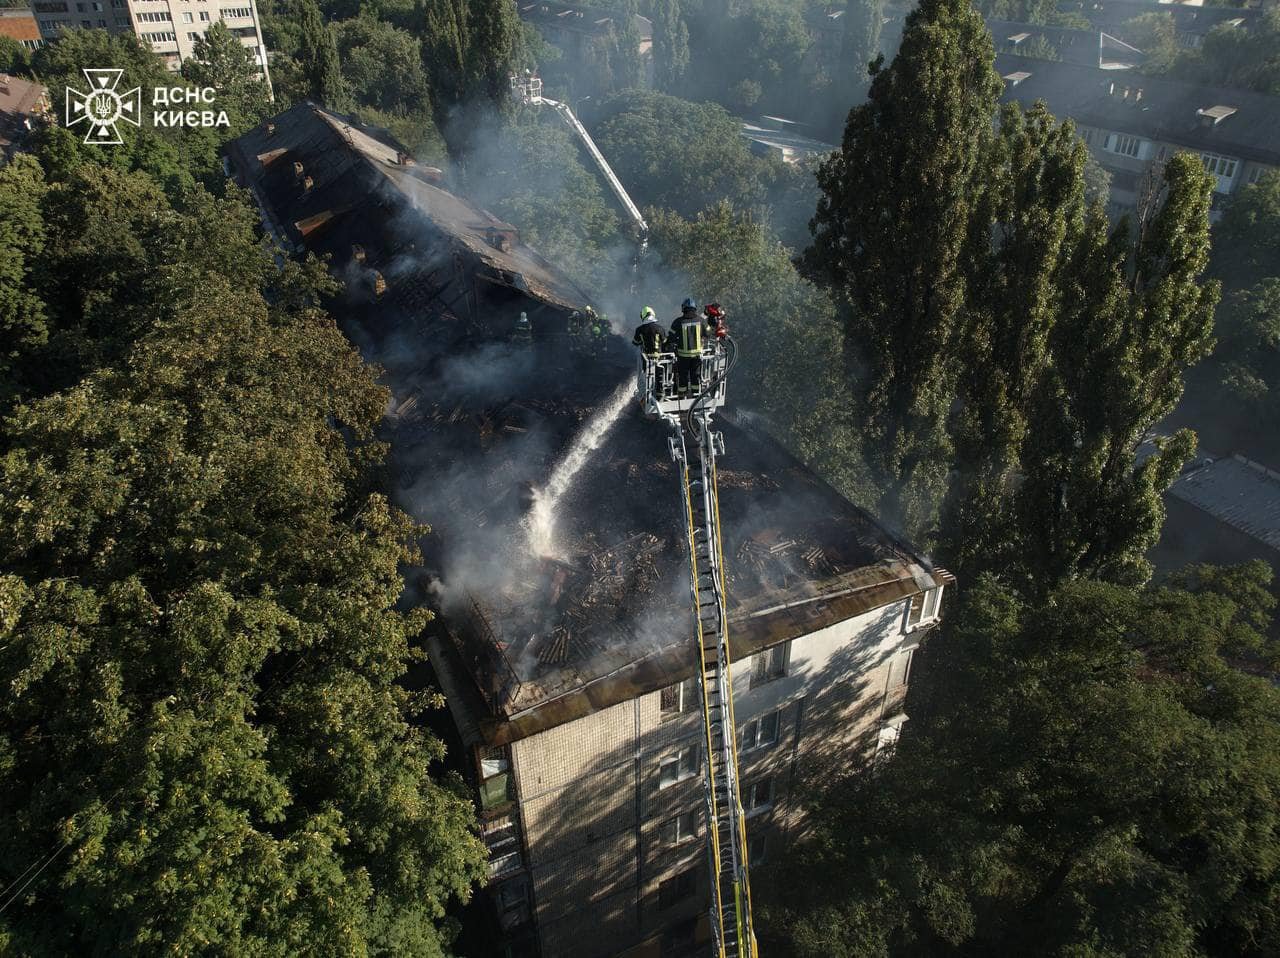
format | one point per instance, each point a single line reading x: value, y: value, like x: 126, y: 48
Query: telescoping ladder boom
x: 726, y: 823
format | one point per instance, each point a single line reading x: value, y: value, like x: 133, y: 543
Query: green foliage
x: 678, y: 155
x: 786, y: 329
x: 198, y: 639
x: 1248, y: 354
x: 178, y: 157
x: 1137, y: 316
x: 382, y: 66
x: 318, y: 57
x: 1246, y: 241
x: 14, y: 57
x: 221, y: 61
x: 23, y: 326
x: 889, y: 240
x: 1245, y: 58
x: 1155, y: 34
x: 1027, y: 222
x: 1097, y: 780
x: 670, y: 45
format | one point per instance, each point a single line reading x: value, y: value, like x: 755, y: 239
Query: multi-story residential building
x: 565, y: 645
x: 19, y: 23
x: 1091, y: 48
x: 1133, y: 122
x: 171, y: 27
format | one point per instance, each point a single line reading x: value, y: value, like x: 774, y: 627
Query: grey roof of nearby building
x: 784, y: 139
x: 1243, y: 494
x: 1165, y: 111
x: 1088, y: 48
x: 1187, y: 19
x: 568, y: 16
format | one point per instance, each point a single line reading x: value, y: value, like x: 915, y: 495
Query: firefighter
x: 685, y: 341
x: 716, y: 321
x: 649, y: 333
x: 597, y: 326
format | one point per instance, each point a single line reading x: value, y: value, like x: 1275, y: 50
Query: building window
x: 681, y: 697
x: 204, y: 16
x: 86, y: 24
x: 676, y: 768
x: 1123, y: 144
x: 677, y: 888
x: 924, y: 607
x: 760, y: 732
x: 188, y: 17
x: 237, y: 13
x: 163, y: 37
x: 758, y: 796
x: 48, y: 26
x: 771, y: 664
x: 495, y: 778
x: 678, y: 829
x: 900, y: 670
x: 50, y: 8
x: 758, y: 847
x: 102, y: 23
x: 153, y: 17
x: 1223, y: 167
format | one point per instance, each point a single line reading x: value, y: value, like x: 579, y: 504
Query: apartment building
x: 569, y: 669
x: 1133, y: 123
x: 1191, y: 21
x: 171, y: 27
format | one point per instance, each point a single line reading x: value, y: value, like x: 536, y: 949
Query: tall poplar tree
x: 1139, y: 315
x: 670, y: 45
x: 889, y: 240
x: 1027, y: 224
x: 319, y: 57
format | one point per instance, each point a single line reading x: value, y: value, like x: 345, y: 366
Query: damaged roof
x: 552, y: 607
x: 329, y: 183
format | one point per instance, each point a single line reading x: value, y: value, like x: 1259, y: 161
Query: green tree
x: 14, y: 57
x: 1248, y: 354
x: 203, y: 740
x: 1246, y: 241
x: 1138, y: 316
x: 493, y: 31
x: 219, y: 60
x: 318, y: 56
x: 1236, y: 57
x: 670, y: 45
x: 1155, y: 34
x: 678, y: 155
x: 1033, y: 209
x: 382, y: 66
x: 889, y: 240
x: 23, y: 323
x: 785, y: 327
x: 1097, y: 778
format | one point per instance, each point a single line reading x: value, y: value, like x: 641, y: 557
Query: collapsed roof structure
x: 558, y: 552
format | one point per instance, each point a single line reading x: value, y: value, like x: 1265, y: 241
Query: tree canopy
x: 1096, y: 777
x: 203, y: 744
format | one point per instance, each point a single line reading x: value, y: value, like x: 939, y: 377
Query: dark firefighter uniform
x: 649, y: 336
x: 686, y: 341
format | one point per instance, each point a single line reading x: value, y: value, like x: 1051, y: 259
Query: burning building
x: 558, y: 559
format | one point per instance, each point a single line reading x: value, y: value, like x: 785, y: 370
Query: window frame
x: 687, y: 762
x: 677, y: 888
x: 752, y: 803
x: 685, y: 694
x: 683, y: 828
x: 752, y: 739
x: 771, y: 664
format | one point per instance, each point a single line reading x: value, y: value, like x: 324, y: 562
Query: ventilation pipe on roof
x: 307, y: 184
x: 379, y: 284
x: 297, y: 169
x: 271, y: 129
x: 1137, y: 97
x: 403, y: 159
x: 357, y: 252
x: 1111, y: 89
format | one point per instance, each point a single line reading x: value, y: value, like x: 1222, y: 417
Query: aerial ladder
x: 527, y: 88
x: 689, y: 416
